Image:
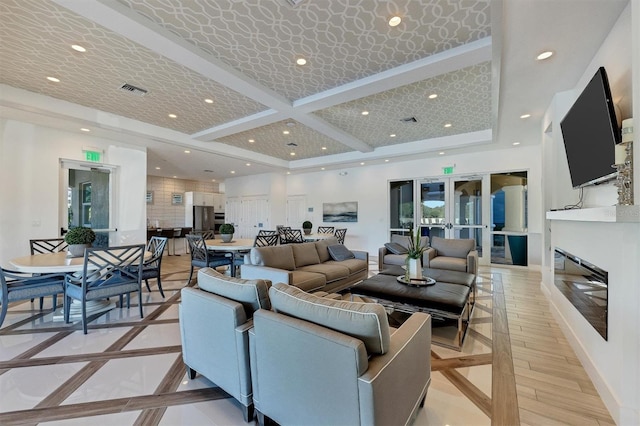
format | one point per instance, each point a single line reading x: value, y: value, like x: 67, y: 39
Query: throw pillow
x: 339, y: 252
x: 396, y: 248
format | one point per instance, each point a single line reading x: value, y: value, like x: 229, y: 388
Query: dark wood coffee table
x: 449, y: 300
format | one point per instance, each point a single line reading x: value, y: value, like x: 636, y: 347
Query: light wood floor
x: 535, y: 377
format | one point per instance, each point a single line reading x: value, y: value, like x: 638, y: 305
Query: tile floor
x: 129, y: 371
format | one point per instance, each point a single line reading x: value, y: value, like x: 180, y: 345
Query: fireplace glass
x: 585, y: 286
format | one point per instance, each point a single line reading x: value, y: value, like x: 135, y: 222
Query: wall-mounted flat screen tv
x: 590, y: 133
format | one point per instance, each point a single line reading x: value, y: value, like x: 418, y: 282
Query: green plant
x: 415, y: 247
x: 227, y: 228
x: 80, y: 235
x: 307, y: 225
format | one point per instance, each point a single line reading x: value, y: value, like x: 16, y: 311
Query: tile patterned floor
x: 514, y: 368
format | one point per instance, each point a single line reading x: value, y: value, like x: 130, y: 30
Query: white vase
x: 226, y: 238
x: 414, y: 266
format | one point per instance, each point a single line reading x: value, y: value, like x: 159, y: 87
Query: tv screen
x: 590, y: 133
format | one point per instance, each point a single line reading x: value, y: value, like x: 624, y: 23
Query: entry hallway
x: 515, y: 366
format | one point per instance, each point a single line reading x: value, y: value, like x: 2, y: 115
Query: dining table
x: 62, y: 263
x: 236, y: 247
x: 317, y: 236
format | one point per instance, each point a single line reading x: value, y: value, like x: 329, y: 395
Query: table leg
x: 233, y: 263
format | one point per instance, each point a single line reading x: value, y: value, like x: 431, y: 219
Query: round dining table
x: 317, y: 237
x: 234, y: 247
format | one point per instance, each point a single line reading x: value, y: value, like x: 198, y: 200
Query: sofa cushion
x: 396, y: 248
x: 280, y: 257
x: 307, y: 280
x: 321, y: 247
x: 340, y: 252
x: 395, y: 259
x: 252, y: 294
x: 450, y: 263
x: 403, y: 240
x: 354, y: 265
x: 332, y: 272
x: 305, y: 254
x: 364, y: 321
x: 452, y: 247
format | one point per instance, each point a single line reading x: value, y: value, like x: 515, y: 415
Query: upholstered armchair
x: 214, y: 323
x: 452, y: 254
x: 395, y: 251
x: 319, y: 361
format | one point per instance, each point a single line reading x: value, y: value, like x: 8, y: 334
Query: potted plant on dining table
x: 226, y: 232
x: 306, y: 227
x: 78, y: 239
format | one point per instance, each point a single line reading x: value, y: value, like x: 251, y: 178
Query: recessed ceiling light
x: 321, y: 168
x: 55, y: 80
x: 78, y: 48
x: 544, y: 55
x: 386, y: 161
x: 175, y: 177
x: 213, y: 180
x: 433, y: 96
x: 365, y: 113
x: 84, y: 129
x: 232, y: 171
x: 288, y: 173
x: 394, y: 21
x: 186, y: 151
x: 301, y: 61
x: 324, y: 148
x: 157, y: 168
x: 525, y: 116
x: 516, y: 143
x: 252, y: 140
x: 292, y: 154
x: 441, y: 153
x: 392, y: 135
x: 362, y: 164
x: 248, y: 164
x: 173, y: 116
x: 447, y: 125
x: 285, y: 132
x: 209, y: 101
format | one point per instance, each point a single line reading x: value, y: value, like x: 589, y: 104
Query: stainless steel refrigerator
x: 203, y: 218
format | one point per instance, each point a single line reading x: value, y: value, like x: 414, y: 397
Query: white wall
x: 368, y: 185
x: 30, y: 185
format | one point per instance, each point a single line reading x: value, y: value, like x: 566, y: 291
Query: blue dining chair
x: 202, y: 258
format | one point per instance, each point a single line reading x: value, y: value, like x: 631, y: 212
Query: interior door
x: 296, y: 211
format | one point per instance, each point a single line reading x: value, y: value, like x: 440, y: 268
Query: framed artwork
x: 149, y: 197
x: 176, y: 198
x: 346, y: 211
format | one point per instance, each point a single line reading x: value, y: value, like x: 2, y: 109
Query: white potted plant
x: 226, y: 232
x: 78, y: 239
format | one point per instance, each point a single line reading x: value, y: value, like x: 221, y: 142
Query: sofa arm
x: 427, y: 256
x: 382, y: 252
x: 395, y: 383
x: 275, y: 275
x: 472, y: 262
x: 361, y: 254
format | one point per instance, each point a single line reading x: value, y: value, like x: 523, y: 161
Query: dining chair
x: 266, y: 240
x: 202, y: 258
x: 267, y: 232
x: 183, y: 234
x: 106, y: 272
x: 325, y: 229
x: 151, y: 268
x: 291, y: 236
x: 168, y: 233
x: 17, y: 286
x: 340, y: 234
x: 208, y: 235
x: 47, y: 245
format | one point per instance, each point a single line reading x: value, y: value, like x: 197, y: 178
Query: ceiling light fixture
x: 252, y: 140
x: 292, y: 154
x: 232, y: 172
x: 516, y: 143
x: 365, y: 113
x: 433, y: 96
x: 285, y: 132
x: 441, y: 153
x: 78, y: 48
x: 324, y: 148
x: 386, y: 161
x: 394, y: 21
x: 288, y: 173
x: 321, y: 168
x: 84, y: 129
x: 544, y: 55
x: 248, y: 164
x: 55, y: 80
x: 213, y: 180
x: 392, y: 135
x: 209, y: 101
x: 175, y: 177
x: 173, y: 116
x: 447, y: 125
x: 525, y: 116
x: 362, y: 164
x: 157, y: 168
x: 301, y: 61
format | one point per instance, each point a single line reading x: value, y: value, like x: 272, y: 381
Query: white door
x: 296, y: 211
x: 254, y: 216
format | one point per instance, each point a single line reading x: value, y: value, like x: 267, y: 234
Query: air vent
x: 208, y: 171
x: 294, y: 3
x: 133, y: 89
x: 409, y: 120
x: 292, y: 144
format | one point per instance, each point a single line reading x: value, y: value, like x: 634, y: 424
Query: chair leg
x: 3, y: 313
x: 140, y: 302
x: 247, y: 413
x: 160, y: 286
x: 190, y: 275
x: 147, y: 283
x: 54, y: 301
x: 41, y: 303
x: 84, y: 316
x: 191, y: 373
x: 66, y: 306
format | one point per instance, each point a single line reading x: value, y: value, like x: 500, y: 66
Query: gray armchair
x: 214, y: 323
x: 392, y: 253
x: 452, y: 254
x: 321, y: 361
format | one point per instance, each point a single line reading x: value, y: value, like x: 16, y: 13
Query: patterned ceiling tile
x: 464, y: 101
x: 343, y: 40
x: 270, y: 140
x: 36, y: 38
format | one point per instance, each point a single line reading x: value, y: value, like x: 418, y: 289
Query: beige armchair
x: 452, y: 254
x: 392, y: 254
x: 321, y: 361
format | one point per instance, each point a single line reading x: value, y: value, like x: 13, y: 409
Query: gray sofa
x: 327, y: 362
x: 308, y: 266
x: 387, y: 258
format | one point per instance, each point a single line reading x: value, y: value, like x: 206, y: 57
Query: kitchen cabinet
x: 199, y: 198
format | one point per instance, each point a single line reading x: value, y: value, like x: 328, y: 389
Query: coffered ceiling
x: 227, y: 70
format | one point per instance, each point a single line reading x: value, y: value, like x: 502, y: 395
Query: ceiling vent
x: 409, y: 120
x: 292, y: 144
x: 294, y: 3
x: 133, y: 89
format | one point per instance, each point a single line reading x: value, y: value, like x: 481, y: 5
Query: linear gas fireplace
x: 585, y: 285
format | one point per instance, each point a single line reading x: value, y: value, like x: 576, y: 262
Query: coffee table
x: 449, y: 301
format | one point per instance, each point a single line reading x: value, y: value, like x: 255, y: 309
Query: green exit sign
x: 93, y: 156
x: 447, y: 170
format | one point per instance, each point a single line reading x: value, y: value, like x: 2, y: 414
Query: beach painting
x: 340, y: 212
